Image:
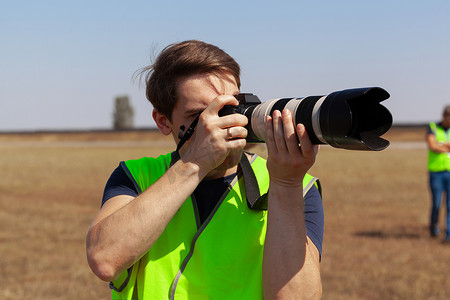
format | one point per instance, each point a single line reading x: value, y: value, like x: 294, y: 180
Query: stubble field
x: 376, y: 243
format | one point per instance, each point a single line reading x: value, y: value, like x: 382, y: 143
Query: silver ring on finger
x: 229, y: 135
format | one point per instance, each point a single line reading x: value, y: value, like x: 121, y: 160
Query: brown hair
x: 179, y: 60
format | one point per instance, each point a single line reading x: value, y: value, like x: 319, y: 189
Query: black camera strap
x: 184, y: 136
x: 254, y: 199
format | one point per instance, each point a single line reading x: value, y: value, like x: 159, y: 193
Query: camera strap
x: 254, y: 199
x: 184, y: 136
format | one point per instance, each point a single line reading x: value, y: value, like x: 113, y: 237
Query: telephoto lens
x: 350, y: 119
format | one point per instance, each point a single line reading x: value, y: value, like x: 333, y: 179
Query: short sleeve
x: 118, y: 184
x: 314, y: 217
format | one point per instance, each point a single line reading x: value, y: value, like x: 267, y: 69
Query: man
x: 438, y: 139
x: 179, y: 226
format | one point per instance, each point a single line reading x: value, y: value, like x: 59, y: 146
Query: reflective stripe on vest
x: 198, y: 261
x: 438, y: 162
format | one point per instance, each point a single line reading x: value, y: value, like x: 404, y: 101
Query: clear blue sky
x: 63, y: 63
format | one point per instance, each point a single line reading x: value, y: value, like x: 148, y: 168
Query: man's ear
x: 163, y: 123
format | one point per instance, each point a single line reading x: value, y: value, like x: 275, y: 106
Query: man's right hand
x: 215, y: 137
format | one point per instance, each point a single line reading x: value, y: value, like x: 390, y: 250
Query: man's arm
x: 291, y: 267
x: 125, y: 228
x: 435, y: 146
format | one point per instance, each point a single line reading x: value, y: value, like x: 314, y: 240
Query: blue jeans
x: 439, y: 182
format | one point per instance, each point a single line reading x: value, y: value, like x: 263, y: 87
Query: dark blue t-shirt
x: 209, y: 192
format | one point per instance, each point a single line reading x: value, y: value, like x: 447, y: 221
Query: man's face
x: 195, y: 93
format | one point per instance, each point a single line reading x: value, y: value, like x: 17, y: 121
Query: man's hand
x: 287, y: 162
x: 215, y: 137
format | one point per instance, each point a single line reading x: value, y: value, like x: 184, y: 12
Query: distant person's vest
x: 438, y: 162
x: 219, y: 259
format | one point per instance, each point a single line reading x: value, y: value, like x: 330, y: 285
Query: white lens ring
x: 259, y: 116
x: 315, y: 120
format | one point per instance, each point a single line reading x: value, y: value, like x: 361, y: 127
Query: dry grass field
x: 376, y: 242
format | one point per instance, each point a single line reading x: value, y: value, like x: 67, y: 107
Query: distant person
x: 438, y: 139
x: 178, y: 226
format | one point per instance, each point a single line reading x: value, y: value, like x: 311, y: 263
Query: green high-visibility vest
x: 438, y: 162
x: 219, y: 259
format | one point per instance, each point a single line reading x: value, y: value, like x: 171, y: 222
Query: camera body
x: 247, y: 103
x: 350, y: 119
